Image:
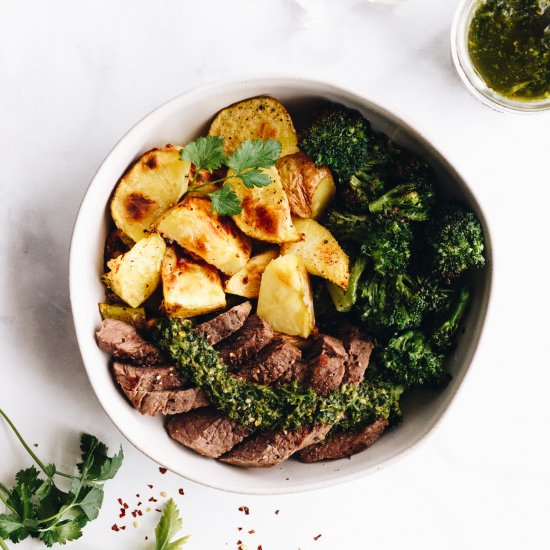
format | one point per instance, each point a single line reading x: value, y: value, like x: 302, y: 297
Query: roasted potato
x: 135, y: 275
x: 246, y: 282
x: 320, y: 252
x: 258, y: 117
x: 285, y: 300
x: 133, y: 315
x: 190, y: 287
x: 215, y: 239
x: 309, y: 189
x: 153, y: 184
x: 265, y: 211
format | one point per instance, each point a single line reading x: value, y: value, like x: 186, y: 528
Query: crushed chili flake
x: 150, y: 486
x: 244, y: 509
x: 163, y: 470
x: 152, y: 499
x: 239, y: 528
x: 317, y: 537
x: 139, y: 513
x: 119, y: 501
x: 115, y: 527
x: 139, y: 503
x: 251, y: 532
x: 158, y: 510
x: 125, y: 505
x: 180, y: 491
x: 277, y: 512
x: 122, y: 527
x: 137, y: 495
x: 259, y: 547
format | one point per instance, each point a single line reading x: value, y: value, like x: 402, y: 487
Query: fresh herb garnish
x: 169, y: 525
x: 207, y: 153
x: 39, y: 509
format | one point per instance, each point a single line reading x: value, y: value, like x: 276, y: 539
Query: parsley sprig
x: 169, y: 525
x: 207, y: 153
x: 39, y: 509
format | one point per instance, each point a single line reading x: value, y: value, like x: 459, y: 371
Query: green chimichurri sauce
x: 265, y: 407
x: 509, y: 44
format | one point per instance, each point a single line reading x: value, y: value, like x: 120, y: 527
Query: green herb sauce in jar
x: 509, y: 44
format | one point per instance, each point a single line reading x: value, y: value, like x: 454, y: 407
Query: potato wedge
x: 266, y: 213
x: 215, y: 239
x: 134, y: 276
x: 320, y: 252
x: 133, y: 315
x: 258, y: 117
x: 309, y: 189
x: 285, y: 300
x: 246, y: 282
x: 190, y: 287
x: 153, y: 184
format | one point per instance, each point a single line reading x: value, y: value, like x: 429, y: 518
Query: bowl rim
x: 324, y: 86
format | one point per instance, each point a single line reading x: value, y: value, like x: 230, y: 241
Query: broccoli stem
x: 345, y: 299
x: 442, y: 336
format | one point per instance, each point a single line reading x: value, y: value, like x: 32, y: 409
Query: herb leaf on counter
x: 169, y: 525
x: 39, y: 509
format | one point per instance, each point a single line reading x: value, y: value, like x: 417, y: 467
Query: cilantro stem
x: 4, y: 500
x: 4, y: 488
x: 27, y: 448
x: 3, y: 545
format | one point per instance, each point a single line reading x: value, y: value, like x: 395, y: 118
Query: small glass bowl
x: 468, y: 73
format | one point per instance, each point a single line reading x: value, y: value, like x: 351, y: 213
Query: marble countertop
x: 77, y: 75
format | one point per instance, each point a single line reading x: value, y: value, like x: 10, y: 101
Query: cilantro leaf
x: 8, y: 524
x: 258, y: 153
x: 255, y: 178
x: 101, y: 467
x: 225, y: 201
x: 205, y: 152
x: 91, y: 503
x: 61, y: 534
x: 170, y: 523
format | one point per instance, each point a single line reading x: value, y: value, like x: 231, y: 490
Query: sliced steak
x: 344, y: 444
x: 271, y: 363
x: 123, y: 341
x: 243, y: 345
x: 157, y: 390
x: 206, y: 431
x: 326, y: 363
x: 298, y: 372
x: 359, y: 348
x: 225, y: 324
x: 271, y: 448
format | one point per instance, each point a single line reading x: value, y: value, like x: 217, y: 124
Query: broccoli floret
x: 391, y: 303
x: 409, y: 360
x: 442, y: 337
x: 345, y: 299
x: 371, y: 180
x: 385, y: 241
x: 455, y: 241
x: 339, y: 138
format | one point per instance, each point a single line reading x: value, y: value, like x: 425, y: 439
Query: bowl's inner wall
x: 179, y: 121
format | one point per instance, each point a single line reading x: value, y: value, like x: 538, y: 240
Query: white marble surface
x: 76, y: 75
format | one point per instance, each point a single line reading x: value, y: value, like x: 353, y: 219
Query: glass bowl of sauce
x: 501, y: 50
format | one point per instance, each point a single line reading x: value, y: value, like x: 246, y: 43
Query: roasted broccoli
x: 409, y: 360
x: 339, y: 138
x: 385, y: 241
x: 344, y: 300
x: 442, y: 337
x: 455, y: 241
x: 391, y: 302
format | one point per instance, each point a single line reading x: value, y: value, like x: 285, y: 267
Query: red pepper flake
x: 119, y: 501
x: 122, y: 513
x: 259, y: 547
x: 251, y: 532
x: 158, y: 510
x: 239, y: 542
x: 152, y: 499
x: 139, y: 513
x: 115, y: 527
x: 150, y: 486
x: 244, y: 509
x: 134, y: 514
x: 163, y: 470
x: 125, y: 506
x: 137, y: 495
x: 122, y: 527
x: 239, y: 528
x: 317, y: 537
x: 277, y: 512
x: 180, y: 491
x: 139, y: 503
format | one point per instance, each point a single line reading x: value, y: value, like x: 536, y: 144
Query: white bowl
x: 178, y: 121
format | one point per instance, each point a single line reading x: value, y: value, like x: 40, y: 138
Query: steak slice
x: 206, y: 431
x: 254, y: 335
x: 123, y: 341
x: 157, y: 390
x: 359, y: 348
x: 272, y: 362
x: 271, y: 448
x: 225, y: 324
x: 344, y: 444
x: 326, y: 363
